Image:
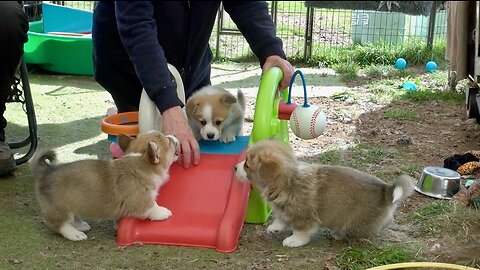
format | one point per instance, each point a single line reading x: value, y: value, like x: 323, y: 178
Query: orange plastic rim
x: 121, y: 123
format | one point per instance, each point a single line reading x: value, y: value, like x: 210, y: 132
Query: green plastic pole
x: 266, y: 125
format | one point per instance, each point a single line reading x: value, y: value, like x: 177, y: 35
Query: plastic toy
x: 469, y: 183
x: 116, y: 151
x: 401, y: 63
x: 307, y: 121
x: 431, y: 66
x: 209, y: 205
x: 426, y: 265
x: 61, y: 42
x: 410, y: 86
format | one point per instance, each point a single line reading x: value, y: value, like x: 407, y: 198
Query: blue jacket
x: 152, y: 33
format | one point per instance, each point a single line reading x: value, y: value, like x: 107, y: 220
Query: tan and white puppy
x: 305, y: 197
x: 215, y: 114
x: 104, y: 189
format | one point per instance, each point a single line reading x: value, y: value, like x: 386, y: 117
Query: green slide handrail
x: 266, y: 125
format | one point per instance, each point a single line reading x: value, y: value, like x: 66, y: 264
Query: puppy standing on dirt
x: 348, y: 202
x: 104, y: 189
x: 215, y: 114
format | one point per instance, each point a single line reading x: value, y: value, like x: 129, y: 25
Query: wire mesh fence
x: 308, y: 32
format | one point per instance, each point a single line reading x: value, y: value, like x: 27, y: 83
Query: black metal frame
x: 21, y: 93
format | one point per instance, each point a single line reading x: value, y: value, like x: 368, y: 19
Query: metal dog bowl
x: 438, y: 182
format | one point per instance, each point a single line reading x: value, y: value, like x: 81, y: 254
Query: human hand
x: 284, y: 65
x: 174, y: 121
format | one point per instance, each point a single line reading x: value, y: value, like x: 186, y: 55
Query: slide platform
x: 208, y: 203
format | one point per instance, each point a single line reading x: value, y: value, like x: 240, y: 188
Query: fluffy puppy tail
x: 402, y: 188
x: 43, y: 161
x: 241, y: 99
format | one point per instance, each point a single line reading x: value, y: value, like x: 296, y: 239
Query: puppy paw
x: 81, y: 225
x: 276, y: 226
x: 69, y: 232
x: 227, y: 139
x: 295, y: 241
x: 159, y: 213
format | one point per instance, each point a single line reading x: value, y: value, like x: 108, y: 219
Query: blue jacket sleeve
x: 138, y: 32
x: 256, y: 24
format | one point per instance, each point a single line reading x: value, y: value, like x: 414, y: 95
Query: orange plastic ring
x: 121, y: 123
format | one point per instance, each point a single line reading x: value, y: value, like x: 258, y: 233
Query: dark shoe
x: 7, y: 162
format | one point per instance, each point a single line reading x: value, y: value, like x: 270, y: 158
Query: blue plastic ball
x: 431, y: 66
x: 401, y: 63
x: 469, y: 183
x: 410, y: 86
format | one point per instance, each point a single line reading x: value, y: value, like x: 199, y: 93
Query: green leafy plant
x: 356, y: 257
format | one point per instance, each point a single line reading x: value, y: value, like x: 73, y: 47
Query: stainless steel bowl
x: 438, y: 182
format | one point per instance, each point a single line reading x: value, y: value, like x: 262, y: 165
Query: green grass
x: 431, y: 94
x: 443, y: 217
x: 291, y: 6
x: 289, y: 31
x: 369, y: 154
x: 332, y: 157
x: 359, y: 156
x: 430, y: 87
x: 383, y: 94
x: 384, y: 71
x: 348, y: 70
x: 400, y: 114
x: 415, y: 52
x: 347, y: 94
x: 429, y: 215
x: 431, y: 210
x: 411, y: 169
x: 369, y: 158
x: 66, y: 118
x: 375, y: 71
x: 361, y: 257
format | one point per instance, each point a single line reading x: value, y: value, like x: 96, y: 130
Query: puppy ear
x: 269, y: 168
x: 190, y: 107
x: 124, y: 141
x: 228, y: 99
x: 152, y: 152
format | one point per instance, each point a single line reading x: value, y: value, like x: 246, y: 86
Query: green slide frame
x: 266, y: 125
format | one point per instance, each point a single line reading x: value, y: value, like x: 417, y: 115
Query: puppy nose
x: 235, y: 168
x: 210, y: 135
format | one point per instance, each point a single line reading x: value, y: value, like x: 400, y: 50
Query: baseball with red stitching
x: 308, y: 122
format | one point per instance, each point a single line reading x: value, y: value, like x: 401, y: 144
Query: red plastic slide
x: 208, y: 207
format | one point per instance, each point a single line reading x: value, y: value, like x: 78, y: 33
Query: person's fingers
x: 266, y: 67
x: 196, y: 152
x: 284, y: 65
x: 287, y: 69
x: 186, y: 153
x: 180, y: 154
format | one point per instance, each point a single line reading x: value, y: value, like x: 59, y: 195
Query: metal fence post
x: 431, y: 25
x: 219, y: 29
x: 274, y: 12
x: 307, y: 54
